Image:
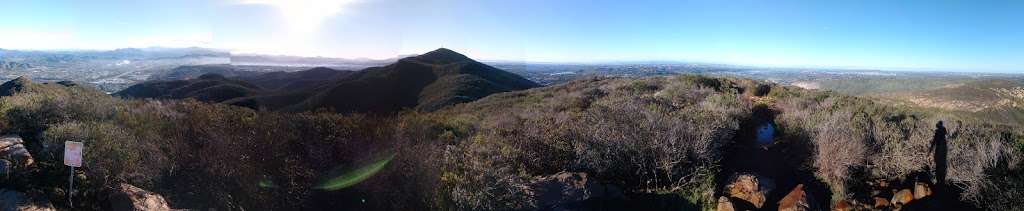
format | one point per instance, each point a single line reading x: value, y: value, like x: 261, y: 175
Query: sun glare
x: 303, y: 16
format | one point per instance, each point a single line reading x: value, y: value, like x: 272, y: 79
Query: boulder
x: 12, y: 200
x: 12, y: 149
x: 127, y: 197
x: 881, y: 203
x: 902, y: 197
x: 750, y: 188
x: 564, y: 190
x: 724, y: 204
x: 842, y: 205
x: 9, y: 140
x: 798, y: 200
x: 921, y: 190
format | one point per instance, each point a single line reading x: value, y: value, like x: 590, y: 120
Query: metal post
x: 71, y: 186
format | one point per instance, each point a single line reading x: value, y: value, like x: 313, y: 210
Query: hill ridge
x: 426, y: 82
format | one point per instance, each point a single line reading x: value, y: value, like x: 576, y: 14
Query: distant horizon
x: 609, y: 62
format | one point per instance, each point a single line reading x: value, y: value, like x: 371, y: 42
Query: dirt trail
x: 779, y: 161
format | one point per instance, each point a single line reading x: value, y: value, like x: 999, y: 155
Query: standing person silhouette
x: 938, y: 146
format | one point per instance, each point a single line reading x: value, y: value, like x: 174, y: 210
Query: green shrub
x: 650, y: 135
x: 111, y: 154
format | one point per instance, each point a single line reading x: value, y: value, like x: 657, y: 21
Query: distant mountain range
x: 34, y: 56
x: 6, y: 65
x: 426, y: 82
x: 278, y: 60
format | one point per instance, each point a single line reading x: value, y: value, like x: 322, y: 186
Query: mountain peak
x: 20, y: 80
x: 14, y: 86
x: 443, y: 56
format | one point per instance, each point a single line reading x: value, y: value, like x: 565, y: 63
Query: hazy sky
x: 904, y: 34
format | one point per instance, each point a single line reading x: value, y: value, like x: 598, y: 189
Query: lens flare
x: 348, y: 179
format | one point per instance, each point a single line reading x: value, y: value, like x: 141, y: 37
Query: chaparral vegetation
x: 672, y: 142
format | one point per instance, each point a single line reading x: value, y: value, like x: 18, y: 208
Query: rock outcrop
x: 750, y: 189
x: 889, y: 195
x: 129, y: 198
x: 564, y: 190
x: 12, y: 150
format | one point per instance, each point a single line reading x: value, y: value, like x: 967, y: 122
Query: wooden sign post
x: 72, y: 158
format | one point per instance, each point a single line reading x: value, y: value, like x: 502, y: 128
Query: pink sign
x: 73, y: 153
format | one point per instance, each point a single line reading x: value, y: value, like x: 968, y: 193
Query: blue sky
x: 899, y: 35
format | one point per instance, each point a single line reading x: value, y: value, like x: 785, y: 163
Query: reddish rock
x: 842, y: 205
x: 921, y: 190
x: 881, y: 203
x: 796, y: 200
x: 903, y: 197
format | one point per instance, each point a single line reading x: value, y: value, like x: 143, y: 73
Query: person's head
x: 939, y: 124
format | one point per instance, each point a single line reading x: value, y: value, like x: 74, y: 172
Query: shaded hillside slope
x: 426, y: 82
x: 236, y: 87
x: 207, y: 88
x: 296, y: 81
